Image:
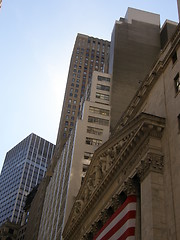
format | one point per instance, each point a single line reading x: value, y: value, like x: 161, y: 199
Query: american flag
x: 121, y: 225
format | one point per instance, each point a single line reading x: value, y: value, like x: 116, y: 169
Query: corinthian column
x: 153, y: 225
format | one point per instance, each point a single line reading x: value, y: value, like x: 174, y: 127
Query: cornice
x: 109, y: 161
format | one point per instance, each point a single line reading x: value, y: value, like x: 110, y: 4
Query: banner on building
x: 121, y: 225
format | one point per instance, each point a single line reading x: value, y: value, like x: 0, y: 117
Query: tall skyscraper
x: 91, y: 131
x: 132, y: 187
x: 24, y: 167
x: 89, y: 54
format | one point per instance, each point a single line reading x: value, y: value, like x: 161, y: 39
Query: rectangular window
x: 178, y: 122
x: 105, y: 79
x: 177, y: 83
x: 103, y: 87
x: 102, y: 96
x: 100, y: 111
x: 99, y: 121
x: 85, y: 167
x: 93, y: 130
x: 88, y: 155
x: 174, y: 57
x: 93, y: 141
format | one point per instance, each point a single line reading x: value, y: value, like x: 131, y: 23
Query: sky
x: 36, y: 42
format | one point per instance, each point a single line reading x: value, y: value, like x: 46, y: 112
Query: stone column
x: 131, y: 187
x: 153, y: 224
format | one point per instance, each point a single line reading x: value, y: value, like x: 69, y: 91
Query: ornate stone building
x: 141, y: 158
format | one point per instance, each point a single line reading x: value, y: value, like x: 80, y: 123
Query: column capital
x: 130, y: 187
x: 152, y: 163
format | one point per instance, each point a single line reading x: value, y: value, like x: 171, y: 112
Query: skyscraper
x: 24, y: 167
x: 132, y: 187
x: 91, y: 131
x: 89, y: 54
x: 135, y: 45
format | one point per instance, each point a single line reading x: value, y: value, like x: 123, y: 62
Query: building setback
x: 24, y: 167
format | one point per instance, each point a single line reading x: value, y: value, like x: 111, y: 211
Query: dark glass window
x: 177, y: 83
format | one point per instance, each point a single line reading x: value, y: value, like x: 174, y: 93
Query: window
x: 174, y: 57
x: 100, y: 111
x: 88, y: 155
x: 177, y: 83
x: 103, y: 87
x: 99, y: 121
x: 85, y: 167
x: 105, y: 79
x: 93, y: 141
x: 102, y: 96
x: 178, y: 122
x: 93, y: 130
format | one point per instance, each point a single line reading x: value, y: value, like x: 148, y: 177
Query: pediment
x: 110, y: 157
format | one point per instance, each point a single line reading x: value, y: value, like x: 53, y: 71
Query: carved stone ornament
x: 152, y: 162
x: 129, y: 187
x: 78, y: 206
x: 115, y: 202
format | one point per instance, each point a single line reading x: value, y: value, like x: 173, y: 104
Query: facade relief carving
x: 129, y: 187
x: 152, y: 162
x: 121, y: 158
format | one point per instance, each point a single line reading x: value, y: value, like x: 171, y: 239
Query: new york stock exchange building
x: 132, y: 187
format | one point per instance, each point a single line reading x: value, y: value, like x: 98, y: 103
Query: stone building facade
x: 141, y: 158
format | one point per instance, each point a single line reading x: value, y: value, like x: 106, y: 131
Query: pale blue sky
x: 36, y: 41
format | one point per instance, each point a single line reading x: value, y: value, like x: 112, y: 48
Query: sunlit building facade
x: 89, y: 54
x: 132, y: 186
x: 91, y: 131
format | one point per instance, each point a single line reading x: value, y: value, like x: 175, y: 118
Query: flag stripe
x: 128, y: 235
x: 120, y: 225
x: 122, y: 220
x: 124, y: 230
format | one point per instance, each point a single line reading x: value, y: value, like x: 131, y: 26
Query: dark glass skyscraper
x: 24, y: 167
